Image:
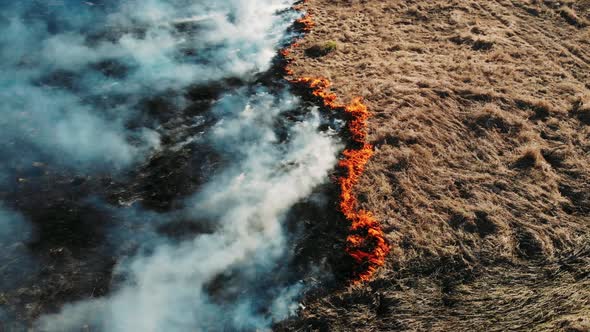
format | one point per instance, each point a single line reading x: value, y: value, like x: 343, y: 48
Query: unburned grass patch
x: 479, y: 171
x: 491, y: 117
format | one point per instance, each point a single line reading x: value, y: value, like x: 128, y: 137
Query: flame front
x: 305, y: 23
x: 366, y: 242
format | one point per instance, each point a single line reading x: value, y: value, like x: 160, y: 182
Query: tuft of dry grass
x: 581, y: 108
x: 572, y: 18
x: 530, y: 157
x: 491, y: 117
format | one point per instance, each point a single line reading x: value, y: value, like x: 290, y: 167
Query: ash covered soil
x: 481, y: 176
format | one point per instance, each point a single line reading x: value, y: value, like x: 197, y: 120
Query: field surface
x: 481, y: 173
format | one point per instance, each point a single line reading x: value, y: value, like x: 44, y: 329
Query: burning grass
x: 366, y: 242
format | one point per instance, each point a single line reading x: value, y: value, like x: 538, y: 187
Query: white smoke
x: 222, y: 280
x: 59, y: 103
x: 167, y: 290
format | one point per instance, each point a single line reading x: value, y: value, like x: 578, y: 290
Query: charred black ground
x: 74, y: 213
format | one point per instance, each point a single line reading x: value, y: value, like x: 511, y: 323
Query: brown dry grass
x: 481, y: 176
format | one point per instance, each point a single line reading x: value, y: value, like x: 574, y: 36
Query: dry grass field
x: 481, y: 171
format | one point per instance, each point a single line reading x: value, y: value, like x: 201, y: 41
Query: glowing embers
x: 319, y: 87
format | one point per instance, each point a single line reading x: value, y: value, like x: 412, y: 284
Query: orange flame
x: 305, y: 23
x: 366, y: 242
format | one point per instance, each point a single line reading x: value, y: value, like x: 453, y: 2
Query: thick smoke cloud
x: 74, y: 72
x: 170, y: 289
x: 47, y: 91
x: 75, y: 75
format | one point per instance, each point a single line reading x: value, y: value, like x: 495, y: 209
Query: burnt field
x: 159, y: 173
x: 480, y: 176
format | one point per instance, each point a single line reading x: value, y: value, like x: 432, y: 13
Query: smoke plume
x: 74, y: 72
x: 171, y: 288
x: 75, y: 77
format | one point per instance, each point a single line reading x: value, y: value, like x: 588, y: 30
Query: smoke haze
x: 77, y: 75
x: 171, y: 288
x: 74, y: 72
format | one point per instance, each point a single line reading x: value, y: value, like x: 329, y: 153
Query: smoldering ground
x: 130, y: 105
x: 221, y: 279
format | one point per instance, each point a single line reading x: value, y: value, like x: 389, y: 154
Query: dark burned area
x: 73, y: 257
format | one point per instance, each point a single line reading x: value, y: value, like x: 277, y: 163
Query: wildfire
x: 305, y: 23
x: 366, y: 242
